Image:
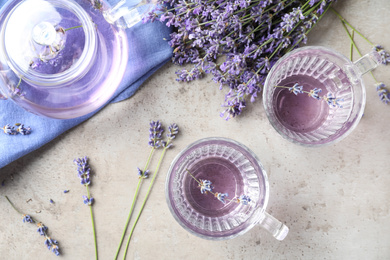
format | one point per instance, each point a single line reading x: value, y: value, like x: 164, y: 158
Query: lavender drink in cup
x: 315, y: 96
x: 217, y: 189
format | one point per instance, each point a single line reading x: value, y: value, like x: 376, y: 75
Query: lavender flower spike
x: 155, y: 134
x: 221, y: 196
x: 205, y: 186
x: 83, y: 170
x: 173, y: 130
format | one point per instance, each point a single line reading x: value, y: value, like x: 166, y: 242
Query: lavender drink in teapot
x: 63, y: 59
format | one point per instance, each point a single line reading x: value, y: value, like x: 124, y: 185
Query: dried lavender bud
x: 221, y: 196
x: 9, y: 130
x: 88, y: 201
x: 27, y: 218
x: 205, y: 186
x: 155, y: 134
x: 142, y: 174
x: 23, y: 130
x: 173, y: 130
x: 83, y: 170
x: 383, y: 93
x: 42, y: 229
x: 52, y: 245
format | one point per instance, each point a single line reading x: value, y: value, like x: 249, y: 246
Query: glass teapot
x: 64, y: 59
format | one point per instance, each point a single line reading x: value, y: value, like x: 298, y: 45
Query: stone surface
x: 335, y: 199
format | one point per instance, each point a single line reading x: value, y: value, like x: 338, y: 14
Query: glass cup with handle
x: 315, y: 96
x: 230, y: 169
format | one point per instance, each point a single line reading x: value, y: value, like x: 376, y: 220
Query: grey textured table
x: 334, y: 199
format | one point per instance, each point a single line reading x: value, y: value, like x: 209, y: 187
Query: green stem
x: 144, y: 202
x: 93, y: 224
x: 351, y: 49
x: 74, y: 27
x: 13, y: 206
x: 356, y: 48
x: 353, y: 28
x: 133, y: 203
x: 352, y: 40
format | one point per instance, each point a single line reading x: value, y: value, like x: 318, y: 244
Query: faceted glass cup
x: 309, y: 121
x: 232, y: 168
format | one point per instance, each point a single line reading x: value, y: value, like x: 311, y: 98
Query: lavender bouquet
x: 237, y: 41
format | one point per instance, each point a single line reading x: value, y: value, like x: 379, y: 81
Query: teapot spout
x: 127, y: 13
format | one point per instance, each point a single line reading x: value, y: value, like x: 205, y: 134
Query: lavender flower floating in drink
x: 304, y: 120
x: 314, y: 93
x: 205, y: 186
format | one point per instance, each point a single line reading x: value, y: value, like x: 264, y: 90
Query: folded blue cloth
x: 148, y: 52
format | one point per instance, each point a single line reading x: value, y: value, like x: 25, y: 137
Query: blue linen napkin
x: 148, y: 51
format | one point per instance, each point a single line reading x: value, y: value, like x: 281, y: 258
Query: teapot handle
x: 127, y: 13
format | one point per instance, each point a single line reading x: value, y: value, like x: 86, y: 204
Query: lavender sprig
x: 84, y: 172
x: 50, y: 243
x: 314, y: 93
x: 173, y: 130
x: 20, y: 129
x: 206, y: 186
x: 237, y: 42
x: 383, y: 93
x: 155, y: 141
x: 155, y: 134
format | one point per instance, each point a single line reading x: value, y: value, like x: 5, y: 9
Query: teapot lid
x: 48, y: 42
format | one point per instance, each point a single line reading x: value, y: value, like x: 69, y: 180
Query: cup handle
x: 274, y: 226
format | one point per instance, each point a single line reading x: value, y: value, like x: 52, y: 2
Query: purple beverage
x: 65, y: 60
x: 231, y: 168
x: 225, y: 178
x: 300, y: 113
